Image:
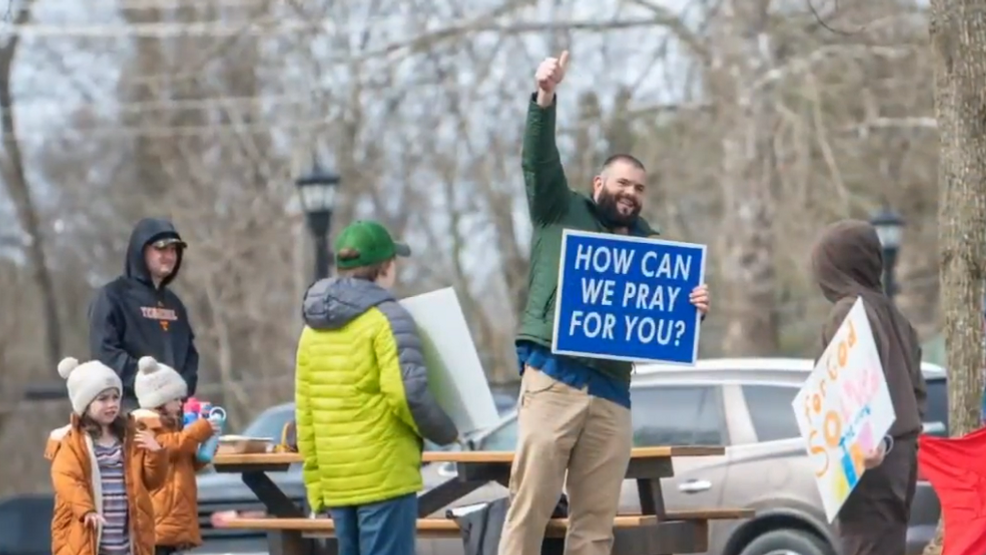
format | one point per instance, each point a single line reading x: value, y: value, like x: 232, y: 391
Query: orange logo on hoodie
x: 159, y: 313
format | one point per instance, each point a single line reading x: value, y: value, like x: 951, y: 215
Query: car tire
x: 787, y: 542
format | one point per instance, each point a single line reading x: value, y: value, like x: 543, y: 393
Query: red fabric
x: 956, y: 468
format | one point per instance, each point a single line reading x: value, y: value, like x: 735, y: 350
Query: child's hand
x: 146, y: 440
x: 94, y: 520
x: 220, y: 518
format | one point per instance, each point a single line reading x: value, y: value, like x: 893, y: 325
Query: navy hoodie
x: 130, y: 318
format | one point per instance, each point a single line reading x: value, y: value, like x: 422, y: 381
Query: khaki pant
x: 562, y: 428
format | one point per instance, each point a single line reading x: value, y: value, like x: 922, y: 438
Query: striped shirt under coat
x: 115, y: 539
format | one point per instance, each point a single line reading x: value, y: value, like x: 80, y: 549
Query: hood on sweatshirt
x: 144, y: 233
x: 847, y: 260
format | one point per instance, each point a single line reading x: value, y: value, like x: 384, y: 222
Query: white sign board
x: 844, y: 409
x: 455, y: 375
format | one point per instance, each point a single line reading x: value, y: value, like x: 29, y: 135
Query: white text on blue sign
x: 627, y: 298
x: 641, y: 295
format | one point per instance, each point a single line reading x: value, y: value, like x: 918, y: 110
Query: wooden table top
x: 495, y: 457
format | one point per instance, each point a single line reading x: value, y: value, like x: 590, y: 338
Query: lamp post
x: 889, y: 228
x: 317, y: 191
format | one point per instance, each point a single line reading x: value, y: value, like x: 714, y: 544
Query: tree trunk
x: 958, y: 40
x: 745, y: 109
x: 15, y: 178
x: 749, y: 275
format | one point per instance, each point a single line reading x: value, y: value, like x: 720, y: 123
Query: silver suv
x: 743, y: 404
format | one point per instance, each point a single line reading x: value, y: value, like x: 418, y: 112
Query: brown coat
x: 75, y: 478
x: 848, y: 263
x: 176, y: 513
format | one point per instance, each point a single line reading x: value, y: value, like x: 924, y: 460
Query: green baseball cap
x: 371, y: 240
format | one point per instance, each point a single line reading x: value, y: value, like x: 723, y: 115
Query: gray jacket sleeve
x: 432, y: 422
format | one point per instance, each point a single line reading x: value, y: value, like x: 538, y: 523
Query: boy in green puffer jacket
x: 363, y: 404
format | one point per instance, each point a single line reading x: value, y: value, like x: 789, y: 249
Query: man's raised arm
x: 547, y: 189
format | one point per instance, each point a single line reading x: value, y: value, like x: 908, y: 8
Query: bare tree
x: 958, y: 39
x: 738, y: 60
x: 14, y: 172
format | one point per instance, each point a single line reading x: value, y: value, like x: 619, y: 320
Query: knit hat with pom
x: 156, y: 384
x: 86, y: 381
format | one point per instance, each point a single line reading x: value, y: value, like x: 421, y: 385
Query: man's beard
x: 607, y: 204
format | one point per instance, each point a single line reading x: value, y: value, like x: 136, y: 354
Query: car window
x: 504, y: 402
x: 270, y: 423
x: 936, y: 413
x: 771, y: 412
x: 677, y: 415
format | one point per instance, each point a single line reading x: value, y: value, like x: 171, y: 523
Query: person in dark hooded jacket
x: 136, y: 315
x: 847, y: 262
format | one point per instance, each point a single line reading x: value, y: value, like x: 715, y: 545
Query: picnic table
x: 655, y: 531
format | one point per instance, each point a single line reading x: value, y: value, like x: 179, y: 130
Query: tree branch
x: 805, y: 63
x: 672, y: 22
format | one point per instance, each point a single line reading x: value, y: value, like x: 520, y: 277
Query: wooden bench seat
x: 448, y: 528
x: 436, y: 528
x: 474, y: 457
x: 427, y: 527
x: 710, y: 514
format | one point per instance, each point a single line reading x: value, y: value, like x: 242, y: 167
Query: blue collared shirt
x: 571, y: 372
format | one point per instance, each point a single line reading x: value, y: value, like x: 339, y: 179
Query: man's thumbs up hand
x: 550, y: 73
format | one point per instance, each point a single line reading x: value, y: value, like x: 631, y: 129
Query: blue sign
x: 626, y: 298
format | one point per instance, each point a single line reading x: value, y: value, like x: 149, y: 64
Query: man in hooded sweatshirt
x: 136, y: 315
x: 847, y: 261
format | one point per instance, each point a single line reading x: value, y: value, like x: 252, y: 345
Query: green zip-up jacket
x: 554, y: 207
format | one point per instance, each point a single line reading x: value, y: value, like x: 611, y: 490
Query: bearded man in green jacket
x: 574, y: 413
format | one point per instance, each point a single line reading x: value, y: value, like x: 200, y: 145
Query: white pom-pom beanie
x: 156, y: 384
x: 86, y: 381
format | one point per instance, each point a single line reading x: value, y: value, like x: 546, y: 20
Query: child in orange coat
x: 160, y: 391
x: 102, y: 470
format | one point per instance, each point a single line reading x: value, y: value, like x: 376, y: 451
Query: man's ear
x: 597, y: 185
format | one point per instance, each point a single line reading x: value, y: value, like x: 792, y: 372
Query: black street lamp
x: 890, y: 229
x: 317, y: 191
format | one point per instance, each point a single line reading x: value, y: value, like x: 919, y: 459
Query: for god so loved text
x: 844, y: 409
x: 627, y: 298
